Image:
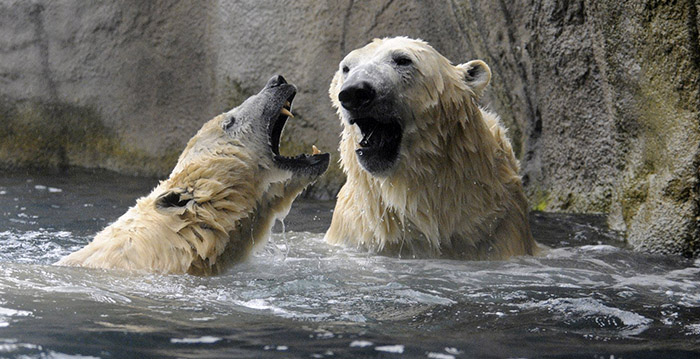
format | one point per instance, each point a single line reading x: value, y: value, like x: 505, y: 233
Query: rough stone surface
x: 137, y: 66
x: 601, y: 97
x: 613, y: 90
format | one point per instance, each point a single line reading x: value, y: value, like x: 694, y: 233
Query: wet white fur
x: 234, y: 191
x: 455, y: 191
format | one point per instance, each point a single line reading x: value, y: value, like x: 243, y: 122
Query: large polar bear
x: 429, y: 173
x: 220, y: 201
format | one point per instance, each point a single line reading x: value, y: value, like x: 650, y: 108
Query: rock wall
x: 614, y: 90
x: 128, y: 81
x: 601, y: 97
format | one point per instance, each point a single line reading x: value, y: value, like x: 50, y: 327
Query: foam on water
x: 38, y: 246
x: 200, y: 340
x: 583, y: 309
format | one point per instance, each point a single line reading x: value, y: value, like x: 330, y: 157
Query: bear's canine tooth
x: 286, y: 112
x: 315, y: 150
x: 288, y: 104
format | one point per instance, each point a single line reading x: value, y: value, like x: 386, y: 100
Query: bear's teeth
x: 286, y: 112
x: 315, y: 150
x: 288, y: 104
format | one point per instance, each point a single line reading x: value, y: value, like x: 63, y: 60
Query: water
x: 588, y: 297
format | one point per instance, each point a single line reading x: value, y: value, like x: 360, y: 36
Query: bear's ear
x: 173, y: 199
x: 476, y: 74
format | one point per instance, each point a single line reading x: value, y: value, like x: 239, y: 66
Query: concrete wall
x: 601, y: 97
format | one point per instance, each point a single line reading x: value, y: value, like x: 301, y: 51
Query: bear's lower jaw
x: 378, y: 150
x: 308, y: 165
x: 376, y: 166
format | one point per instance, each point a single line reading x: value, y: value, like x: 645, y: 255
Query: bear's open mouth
x: 313, y: 164
x: 379, y: 147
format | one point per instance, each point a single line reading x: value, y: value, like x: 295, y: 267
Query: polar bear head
x: 239, y: 150
x: 393, y: 93
x: 252, y: 131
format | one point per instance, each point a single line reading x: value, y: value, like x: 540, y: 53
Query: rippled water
x: 587, y: 297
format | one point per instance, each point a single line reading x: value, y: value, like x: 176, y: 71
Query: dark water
x: 588, y: 297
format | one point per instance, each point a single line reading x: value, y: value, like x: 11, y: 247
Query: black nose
x: 356, y: 95
x: 275, y: 81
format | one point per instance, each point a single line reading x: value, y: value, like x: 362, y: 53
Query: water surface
x: 588, y: 297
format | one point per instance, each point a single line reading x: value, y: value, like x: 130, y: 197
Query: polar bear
x: 429, y: 172
x: 220, y: 200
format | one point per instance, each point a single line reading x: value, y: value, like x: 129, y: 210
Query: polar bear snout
x: 370, y: 104
x: 275, y: 81
x: 356, y: 95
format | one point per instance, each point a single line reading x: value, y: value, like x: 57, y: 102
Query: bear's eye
x: 401, y: 60
x: 346, y: 69
x: 228, y: 123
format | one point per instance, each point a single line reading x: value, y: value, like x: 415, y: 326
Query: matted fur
x: 233, y: 194
x: 455, y: 191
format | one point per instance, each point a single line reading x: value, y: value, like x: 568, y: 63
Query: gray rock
x: 615, y: 112
x: 131, y: 81
x: 601, y: 97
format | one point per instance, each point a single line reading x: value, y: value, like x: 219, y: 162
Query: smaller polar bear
x: 221, y: 200
x: 429, y: 173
